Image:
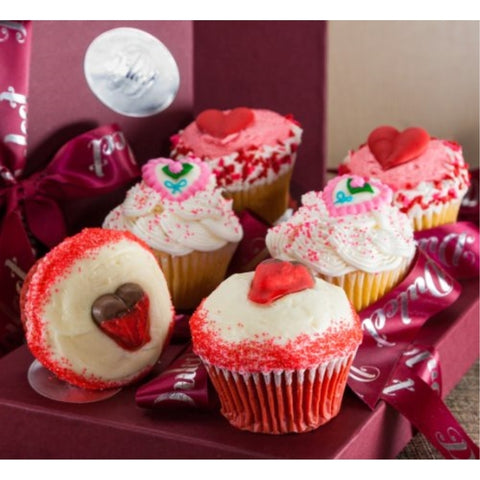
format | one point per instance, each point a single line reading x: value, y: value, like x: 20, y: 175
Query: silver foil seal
x: 131, y: 72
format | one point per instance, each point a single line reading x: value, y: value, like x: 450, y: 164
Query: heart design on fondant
x: 221, y: 124
x: 123, y: 316
x: 352, y: 194
x: 176, y: 180
x: 391, y: 147
x: 273, y: 279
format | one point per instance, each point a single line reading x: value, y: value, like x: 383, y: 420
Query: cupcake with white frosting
x: 96, y: 309
x: 180, y: 213
x: 277, y: 344
x: 351, y: 235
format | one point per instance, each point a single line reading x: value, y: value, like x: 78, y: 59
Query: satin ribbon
x: 414, y: 391
x: 181, y: 380
x: 455, y: 247
x: 387, y: 367
x: 391, y: 324
x: 31, y: 216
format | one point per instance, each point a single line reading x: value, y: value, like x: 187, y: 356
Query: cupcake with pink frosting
x: 251, y: 151
x: 180, y: 213
x: 351, y: 235
x: 428, y: 175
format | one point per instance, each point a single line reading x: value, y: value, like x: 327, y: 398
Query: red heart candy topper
x: 274, y: 279
x: 221, y: 124
x: 392, y: 148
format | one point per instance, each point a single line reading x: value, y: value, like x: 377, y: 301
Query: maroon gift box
x: 275, y: 65
x: 36, y: 427
x: 252, y: 57
x: 279, y: 65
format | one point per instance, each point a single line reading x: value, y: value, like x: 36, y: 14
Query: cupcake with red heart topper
x: 351, y: 235
x: 96, y: 309
x: 251, y: 151
x: 192, y: 229
x: 277, y: 344
x: 428, y: 175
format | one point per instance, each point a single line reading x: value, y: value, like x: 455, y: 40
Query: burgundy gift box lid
x: 118, y: 428
x: 278, y: 65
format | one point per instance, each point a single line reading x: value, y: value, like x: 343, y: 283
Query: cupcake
x: 96, y: 309
x: 180, y: 213
x: 252, y: 152
x: 351, y: 235
x: 428, y: 176
x: 277, y: 344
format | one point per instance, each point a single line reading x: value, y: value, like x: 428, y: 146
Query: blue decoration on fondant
x: 176, y: 187
x: 342, y: 198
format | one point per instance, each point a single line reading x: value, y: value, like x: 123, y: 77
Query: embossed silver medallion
x: 131, y: 72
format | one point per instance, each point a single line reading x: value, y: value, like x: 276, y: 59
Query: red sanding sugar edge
x: 266, y: 354
x: 36, y: 292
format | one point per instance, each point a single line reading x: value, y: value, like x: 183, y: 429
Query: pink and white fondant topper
x: 352, y: 195
x: 176, y: 180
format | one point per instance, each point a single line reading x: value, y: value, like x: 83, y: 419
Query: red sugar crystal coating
x: 264, y: 355
x: 42, y: 277
x: 274, y: 279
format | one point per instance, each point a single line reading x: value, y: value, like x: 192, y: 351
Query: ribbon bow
x: 176, y: 187
x: 31, y: 215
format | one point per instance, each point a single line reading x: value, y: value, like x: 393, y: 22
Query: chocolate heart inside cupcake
x: 123, y: 315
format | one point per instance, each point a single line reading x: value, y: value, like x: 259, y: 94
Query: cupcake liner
x: 434, y: 217
x: 278, y: 402
x: 192, y: 277
x: 364, y: 288
x: 268, y: 200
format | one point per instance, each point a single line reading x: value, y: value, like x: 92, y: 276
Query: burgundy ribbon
x: 414, y: 391
x: 392, y: 323
x: 183, y: 384
x: 455, y: 247
x: 387, y: 367
x: 31, y: 217
x: 182, y: 380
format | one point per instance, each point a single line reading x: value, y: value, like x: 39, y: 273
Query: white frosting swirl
x: 375, y: 241
x: 203, y: 222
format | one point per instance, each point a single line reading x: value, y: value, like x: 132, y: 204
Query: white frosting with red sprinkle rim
x: 299, y: 330
x: 176, y: 209
x: 59, y: 294
x: 363, y: 233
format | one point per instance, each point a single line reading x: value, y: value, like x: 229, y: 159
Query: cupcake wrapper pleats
x: 431, y: 218
x: 192, y: 277
x: 364, y: 288
x: 282, y: 402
